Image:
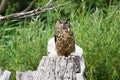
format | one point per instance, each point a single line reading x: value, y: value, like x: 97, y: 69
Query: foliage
x: 24, y: 42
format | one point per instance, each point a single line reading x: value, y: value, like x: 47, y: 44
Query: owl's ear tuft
x: 56, y: 20
x: 68, y: 19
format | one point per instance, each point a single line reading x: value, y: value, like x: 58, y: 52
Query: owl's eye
x: 66, y: 22
x: 60, y: 22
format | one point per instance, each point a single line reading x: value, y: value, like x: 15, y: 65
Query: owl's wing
x: 71, y: 33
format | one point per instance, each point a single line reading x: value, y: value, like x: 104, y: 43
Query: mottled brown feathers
x: 64, y: 38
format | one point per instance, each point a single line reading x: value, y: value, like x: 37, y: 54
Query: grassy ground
x: 23, y: 43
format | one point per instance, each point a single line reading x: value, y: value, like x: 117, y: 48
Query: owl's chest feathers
x: 64, y: 41
x: 64, y: 35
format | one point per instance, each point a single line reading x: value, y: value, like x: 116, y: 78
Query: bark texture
x: 54, y: 68
x: 5, y: 75
x: 3, y: 5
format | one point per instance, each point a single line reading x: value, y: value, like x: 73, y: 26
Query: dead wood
x: 37, y: 11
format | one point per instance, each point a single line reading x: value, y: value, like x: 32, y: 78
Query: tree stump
x: 53, y: 67
x: 5, y: 75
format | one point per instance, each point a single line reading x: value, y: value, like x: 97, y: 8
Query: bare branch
x: 30, y: 6
x: 3, y: 5
x: 32, y: 12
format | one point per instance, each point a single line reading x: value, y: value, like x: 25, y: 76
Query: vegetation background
x: 96, y: 26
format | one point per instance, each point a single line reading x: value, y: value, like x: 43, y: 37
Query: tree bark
x: 54, y: 68
x: 3, y: 6
x: 5, y: 75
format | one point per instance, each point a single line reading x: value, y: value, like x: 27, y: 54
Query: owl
x: 64, y: 38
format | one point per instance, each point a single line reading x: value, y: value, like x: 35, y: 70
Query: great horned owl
x: 64, y: 38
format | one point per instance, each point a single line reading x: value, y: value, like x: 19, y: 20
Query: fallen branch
x: 32, y: 12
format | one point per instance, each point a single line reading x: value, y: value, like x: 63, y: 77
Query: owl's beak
x: 62, y: 26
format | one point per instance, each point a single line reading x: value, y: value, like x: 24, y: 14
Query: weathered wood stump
x: 53, y: 67
x: 59, y: 68
x: 5, y: 75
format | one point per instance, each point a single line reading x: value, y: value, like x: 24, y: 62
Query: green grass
x: 23, y: 43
